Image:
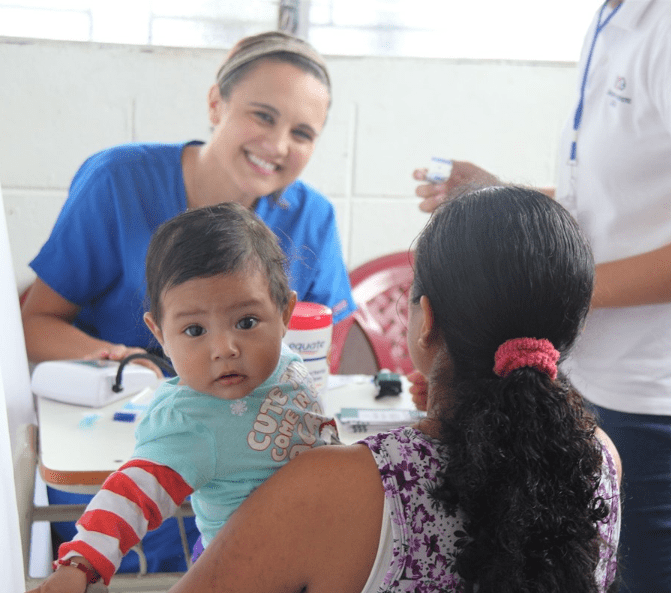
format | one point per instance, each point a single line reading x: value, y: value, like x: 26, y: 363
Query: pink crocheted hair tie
x: 526, y: 352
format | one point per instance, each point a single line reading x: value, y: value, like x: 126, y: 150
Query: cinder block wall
x: 62, y: 101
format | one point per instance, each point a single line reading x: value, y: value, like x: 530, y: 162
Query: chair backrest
x: 380, y: 289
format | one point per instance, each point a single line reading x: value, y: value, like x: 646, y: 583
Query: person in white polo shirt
x: 615, y: 177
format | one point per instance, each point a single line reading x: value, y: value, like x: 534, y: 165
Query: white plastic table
x: 79, y: 446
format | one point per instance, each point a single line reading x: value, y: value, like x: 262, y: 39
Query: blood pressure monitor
x: 90, y: 383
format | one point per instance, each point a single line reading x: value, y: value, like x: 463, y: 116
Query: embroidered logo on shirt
x: 339, y: 306
x: 616, y: 94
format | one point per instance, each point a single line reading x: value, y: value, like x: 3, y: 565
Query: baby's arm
x: 133, y: 500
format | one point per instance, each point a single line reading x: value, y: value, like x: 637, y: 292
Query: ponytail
x: 524, y: 466
x: 509, y: 277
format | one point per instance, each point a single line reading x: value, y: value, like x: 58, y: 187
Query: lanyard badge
x: 577, y: 118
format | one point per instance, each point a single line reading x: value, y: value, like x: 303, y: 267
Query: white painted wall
x: 61, y: 101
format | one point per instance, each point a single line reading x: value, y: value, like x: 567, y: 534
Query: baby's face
x: 224, y: 333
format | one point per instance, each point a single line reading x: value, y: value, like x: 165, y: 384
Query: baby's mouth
x: 231, y: 379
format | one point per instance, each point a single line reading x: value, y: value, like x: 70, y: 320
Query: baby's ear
x: 153, y: 327
x: 289, y: 309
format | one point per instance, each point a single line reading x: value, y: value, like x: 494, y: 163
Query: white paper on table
x: 336, y: 381
x: 361, y: 420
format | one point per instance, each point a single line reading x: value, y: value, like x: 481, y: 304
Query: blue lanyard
x: 578, y: 112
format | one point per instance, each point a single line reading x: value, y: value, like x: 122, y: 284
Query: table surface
x: 80, y: 446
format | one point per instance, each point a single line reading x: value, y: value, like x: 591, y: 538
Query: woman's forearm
x: 643, y: 279
x: 50, y: 334
x: 50, y: 338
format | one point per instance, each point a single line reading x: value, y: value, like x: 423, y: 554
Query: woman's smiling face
x: 266, y: 130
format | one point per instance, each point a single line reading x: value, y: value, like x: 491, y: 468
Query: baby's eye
x: 194, y: 331
x: 246, y: 323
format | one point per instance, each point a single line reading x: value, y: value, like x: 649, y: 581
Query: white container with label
x: 309, y: 336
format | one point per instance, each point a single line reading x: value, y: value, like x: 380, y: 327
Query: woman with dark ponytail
x: 507, y: 485
x: 503, y: 282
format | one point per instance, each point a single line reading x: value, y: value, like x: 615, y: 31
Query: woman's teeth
x: 261, y: 163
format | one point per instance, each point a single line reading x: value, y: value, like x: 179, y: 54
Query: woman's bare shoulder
x: 314, y: 525
x: 338, y: 475
x: 350, y: 459
x: 608, y: 443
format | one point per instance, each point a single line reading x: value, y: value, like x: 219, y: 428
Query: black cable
x: 161, y: 362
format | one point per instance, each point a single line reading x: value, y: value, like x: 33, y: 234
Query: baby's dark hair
x: 213, y: 240
x: 524, y: 463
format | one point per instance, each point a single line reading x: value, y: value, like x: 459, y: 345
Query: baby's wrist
x: 80, y: 563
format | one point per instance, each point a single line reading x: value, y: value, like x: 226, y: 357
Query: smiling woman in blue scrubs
x: 267, y: 110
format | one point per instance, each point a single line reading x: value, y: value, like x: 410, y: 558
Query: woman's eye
x: 247, y: 323
x: 265, y: 117
x: 194, y: 331
x: 303, y: 135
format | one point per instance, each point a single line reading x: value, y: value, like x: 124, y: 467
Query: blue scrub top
x: 95, y: 256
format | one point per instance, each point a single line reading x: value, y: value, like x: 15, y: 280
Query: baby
x: 242, y: 404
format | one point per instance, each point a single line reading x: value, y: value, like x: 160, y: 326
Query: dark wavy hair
x: 212, y: 240
x: 524, y: 463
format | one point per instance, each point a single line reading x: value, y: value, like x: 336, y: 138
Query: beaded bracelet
x: 91, y: 575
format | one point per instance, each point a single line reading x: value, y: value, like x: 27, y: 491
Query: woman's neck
x: 429, y: 426
x: 435, y: 413
x: 204, y: 181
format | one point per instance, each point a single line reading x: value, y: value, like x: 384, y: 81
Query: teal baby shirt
x: 225, y: 448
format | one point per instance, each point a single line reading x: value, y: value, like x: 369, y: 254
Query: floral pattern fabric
x: 426, y: 539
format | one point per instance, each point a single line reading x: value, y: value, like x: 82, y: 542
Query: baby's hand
x: 66, y: 579
x: 419, y: 390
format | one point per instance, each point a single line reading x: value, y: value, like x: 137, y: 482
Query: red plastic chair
x: 381, y: 290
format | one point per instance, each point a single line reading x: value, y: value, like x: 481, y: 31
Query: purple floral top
x: 425, y: 538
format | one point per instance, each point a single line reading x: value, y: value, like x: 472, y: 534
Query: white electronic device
x: 89, y: 382
x: 439, y: 170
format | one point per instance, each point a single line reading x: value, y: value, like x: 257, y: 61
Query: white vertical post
x: 13, y: 358
x: 16, y: 408
x: 11, y: 557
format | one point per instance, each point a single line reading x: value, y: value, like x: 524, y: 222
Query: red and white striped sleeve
x: 135, y: 499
